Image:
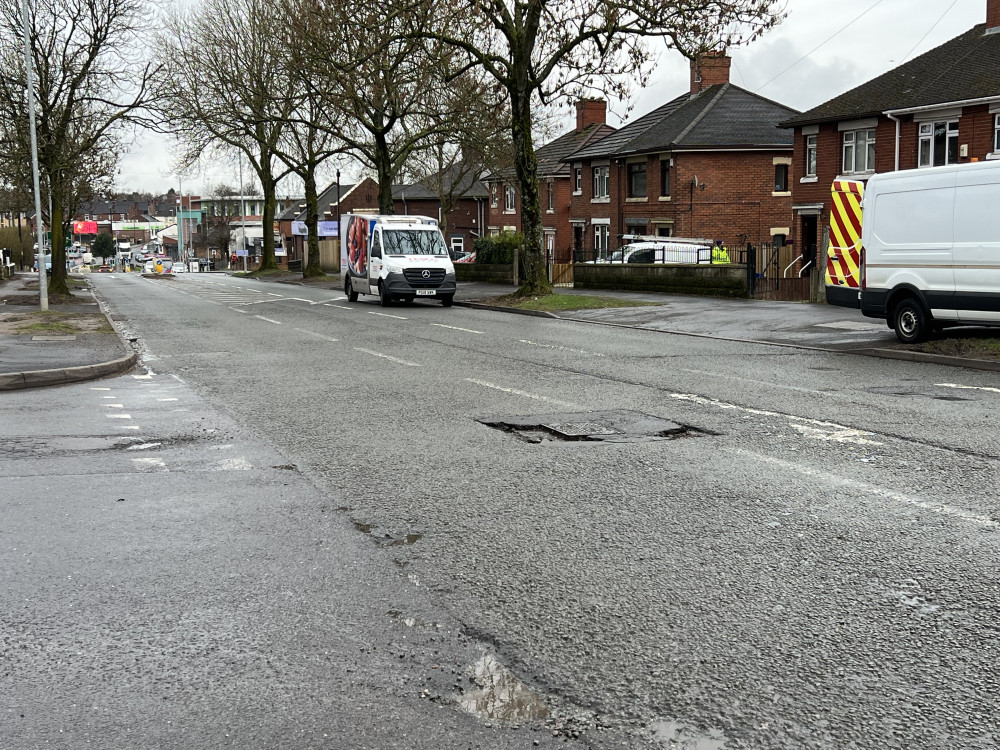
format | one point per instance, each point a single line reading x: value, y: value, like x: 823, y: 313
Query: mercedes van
x: 396, y: 258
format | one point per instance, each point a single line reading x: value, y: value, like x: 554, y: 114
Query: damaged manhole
x: 594, y: 426
x: 500, y: 695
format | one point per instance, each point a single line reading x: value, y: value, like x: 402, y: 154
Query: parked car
x: 178, y: 268
x: 105, y: 269
x: 464, y: 258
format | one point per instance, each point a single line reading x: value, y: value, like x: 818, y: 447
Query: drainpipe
x: 897, y: 121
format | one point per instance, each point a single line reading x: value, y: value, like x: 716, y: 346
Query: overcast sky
x: 823, y: 48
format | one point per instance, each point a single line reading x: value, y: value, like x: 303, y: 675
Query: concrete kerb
x: 64, y: 375
x: 898, y: 354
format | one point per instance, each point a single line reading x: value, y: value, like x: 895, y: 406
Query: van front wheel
x: 383, y: 296
x: 910, y: 321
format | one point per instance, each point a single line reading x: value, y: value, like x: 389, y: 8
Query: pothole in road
x: 500, y: 696
x: 591, y: 427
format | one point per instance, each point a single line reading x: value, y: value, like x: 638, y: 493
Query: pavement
x: 39, y: 360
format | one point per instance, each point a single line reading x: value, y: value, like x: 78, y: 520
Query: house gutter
x: 898, y: 123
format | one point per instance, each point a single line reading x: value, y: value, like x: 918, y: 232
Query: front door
x: 375, y: 260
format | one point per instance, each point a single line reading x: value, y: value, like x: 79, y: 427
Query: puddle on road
x: 677, y: 735
x: 402, y: 541
x: 500, y: 695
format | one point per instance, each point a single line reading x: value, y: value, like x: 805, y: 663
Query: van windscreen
x: 413, y: 242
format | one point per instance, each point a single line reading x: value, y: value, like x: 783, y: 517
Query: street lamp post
x: 43, y: 292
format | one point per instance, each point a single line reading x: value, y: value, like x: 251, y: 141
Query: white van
x: 930, y: 254
x: 395, y: 257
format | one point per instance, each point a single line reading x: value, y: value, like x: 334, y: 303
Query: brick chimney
x: 992, y: 14
x: 592, y: 112
x: 712, y: 67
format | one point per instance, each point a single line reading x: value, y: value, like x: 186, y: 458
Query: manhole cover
x: 595, y: 426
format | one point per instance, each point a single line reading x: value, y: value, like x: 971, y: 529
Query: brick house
x: 711, y: 163
x: 361, y: 196
x: 942, y: 107
x: 555, y: 184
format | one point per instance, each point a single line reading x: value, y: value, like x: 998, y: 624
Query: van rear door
x: 843, y: 257
x: 977, y: 247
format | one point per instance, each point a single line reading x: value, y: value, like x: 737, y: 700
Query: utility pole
x: 43, y: 292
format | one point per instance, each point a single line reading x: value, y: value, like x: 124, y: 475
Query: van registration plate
x: 426, y: 292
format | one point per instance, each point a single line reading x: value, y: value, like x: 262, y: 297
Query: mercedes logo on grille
x: 426, y: 274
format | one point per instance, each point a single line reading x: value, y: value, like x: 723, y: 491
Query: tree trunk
x: 312, y: 267
x: 534, y: 279
x: 270, y: 189
x: 57, y: 281
x: 383, y: 170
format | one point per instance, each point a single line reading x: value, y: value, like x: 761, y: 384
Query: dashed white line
x: 342, y: 307
x: 272, y: 294
x: 241, y: 312
x: 830, y: 480
x: 387, y: 315
x: 812, y: 428
x: 326, y: 301
x: 968, y: 387
x: 143, y: 446
x: 318, y: 335
x: 166, y: 399
x: 269, y: 320
x: 560, y: 348
x: 516, y: 392
x: 99, y: 389
x: 118, y: 416
x: 386, y: 356
x: 455, y: 328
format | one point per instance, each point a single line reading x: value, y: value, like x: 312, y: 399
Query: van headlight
x: 393, y: 268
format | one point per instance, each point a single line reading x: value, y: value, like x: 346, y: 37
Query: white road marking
x: 516, y: 392
x: 149, y: 464
x: 812, y: 428
x: 342, y: 307
x: 455, y: 328
x: 148, y: 376
x: 143, y: 446
x: 261, y: 317
x: 830, y: 480
x: 272, y: 294
x: 744, y: 379
x: 387, y: 315
x: 386, y: 356
x: 118, y: 416
x: 968, y: 387
x: 241, y: 312
x: 299, y: 299
x: 560, y: 348
x: 325, y: 301
x: 129, y: 426
x: 99, y: 389
x: 166, y: 399
x: 318, y: 335
x: 109, y: 397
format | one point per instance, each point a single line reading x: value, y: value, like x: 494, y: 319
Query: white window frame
x: 601, y: 181
x: 602, y: 234
x: 509, y: 198
x: 812, y: 151
x: 552, y: 197
x: 494, y: 195
x: 458, y: 243
x: 851, y: 140
x: 578, y: 180
x: 926, y: 139
x: 996, y: 133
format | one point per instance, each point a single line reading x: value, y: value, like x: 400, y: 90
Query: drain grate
x: 590, y: 427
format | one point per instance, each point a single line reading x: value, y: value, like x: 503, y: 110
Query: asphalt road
x: 807, y: 560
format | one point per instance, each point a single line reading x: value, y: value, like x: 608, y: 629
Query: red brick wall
x: 737, y: 198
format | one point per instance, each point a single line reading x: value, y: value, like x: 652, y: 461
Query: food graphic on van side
x: 357, y: 245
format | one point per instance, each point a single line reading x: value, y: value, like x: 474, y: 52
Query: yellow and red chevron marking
x: 843, y: 259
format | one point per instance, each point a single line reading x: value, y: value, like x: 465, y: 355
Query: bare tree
x: 224, y: 201
x: 91, y: 86
x: 387, y: 84
x: 541, y: 50
x: 228, y: 86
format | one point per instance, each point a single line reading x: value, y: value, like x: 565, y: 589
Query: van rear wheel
x: 352, y: 296
x: 910, y: 321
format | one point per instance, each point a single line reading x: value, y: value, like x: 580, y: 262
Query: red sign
x: 84, y: 227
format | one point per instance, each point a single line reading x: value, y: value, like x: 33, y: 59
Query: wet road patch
x: 500, y: 696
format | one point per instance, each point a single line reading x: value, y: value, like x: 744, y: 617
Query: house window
x: 665, y: 231
x: 859, y: 151
x: 578, y: 178
x: 811, y: 155
x: 86, y: 217
x: 552, y: 197
x: 781, y: 178
x: 493, y: 195
x: 601, y: 182
x: 601, y: 239
x: 665, y: 177
x: 508, y: 199
x: 637, y: 180
x: 938, y: 143
x: 996, y: 134
x: 457, y: 245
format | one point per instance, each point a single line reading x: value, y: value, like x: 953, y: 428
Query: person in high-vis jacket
x: 720, y: 254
